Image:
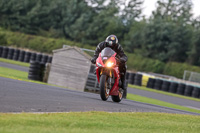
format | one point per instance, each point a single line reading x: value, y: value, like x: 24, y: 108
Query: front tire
x: 104, y: 91
x: 119, y: 97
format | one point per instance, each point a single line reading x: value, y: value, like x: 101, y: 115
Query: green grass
x: 14, y: 62
x: 98, y: 122
x: 163, y: 92
x: 16, y: 74
x: 89, y: 122
x: 158, y: 102
x: 13, y: 74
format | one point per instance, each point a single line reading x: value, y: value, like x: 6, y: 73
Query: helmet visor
x: 110, y: 43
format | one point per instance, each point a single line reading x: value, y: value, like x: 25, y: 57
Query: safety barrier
x: 10, y: 53
x: 5, y: 52
x: 1, y: 49
x: 37, y: 61
x: 158, y: 84
x: 150, y: 83
x: 16, y: 54
x: 36, y: 71
x: 23, y: 56
x: 163, y: 84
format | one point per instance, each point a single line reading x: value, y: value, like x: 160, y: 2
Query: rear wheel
x: 119, y: 97
x: 104, y: 91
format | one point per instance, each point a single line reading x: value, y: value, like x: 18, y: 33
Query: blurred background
x: 162, y: 36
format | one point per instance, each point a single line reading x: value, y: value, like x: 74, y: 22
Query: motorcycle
x: 108, y: 75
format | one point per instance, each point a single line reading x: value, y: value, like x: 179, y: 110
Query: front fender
x: 104, y: 71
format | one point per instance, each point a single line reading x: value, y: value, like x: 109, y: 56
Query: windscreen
x: 107, y: 52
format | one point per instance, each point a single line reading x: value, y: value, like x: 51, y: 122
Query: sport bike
x: 108, y: 75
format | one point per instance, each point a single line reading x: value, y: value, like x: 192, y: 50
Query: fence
x: 191, y: 76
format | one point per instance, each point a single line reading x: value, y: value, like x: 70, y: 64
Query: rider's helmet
x: 111, y: 40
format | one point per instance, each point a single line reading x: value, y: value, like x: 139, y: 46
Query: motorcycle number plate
x: 105, y: 58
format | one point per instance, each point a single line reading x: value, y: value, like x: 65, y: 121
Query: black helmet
x: 111, y: 40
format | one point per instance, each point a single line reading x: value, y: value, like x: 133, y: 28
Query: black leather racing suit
x: 117, y: 48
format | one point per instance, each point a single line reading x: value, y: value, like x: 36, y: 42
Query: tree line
x: 171, y: 33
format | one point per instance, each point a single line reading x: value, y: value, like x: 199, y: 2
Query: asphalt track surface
x: 161, y: 97
x: 21, y: 96
x: 12, y: 66
x: 170, y: 99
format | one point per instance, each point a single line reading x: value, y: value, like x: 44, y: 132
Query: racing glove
x: 122, y: 60
x: 93, y: 60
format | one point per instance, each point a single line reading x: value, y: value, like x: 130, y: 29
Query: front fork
x: 108, y: 73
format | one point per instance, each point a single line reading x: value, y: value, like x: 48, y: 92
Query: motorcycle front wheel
x: 119, y: 97
x: 104, y: 91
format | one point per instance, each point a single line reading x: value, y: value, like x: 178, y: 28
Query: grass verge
x: 13, y: 74
x: 16, y: 74
x: 98, y: 122
x: 158, y: 102
x: 163, y: 92
x: 14, y: 62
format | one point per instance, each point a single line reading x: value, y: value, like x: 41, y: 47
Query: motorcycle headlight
x: 109, y: 64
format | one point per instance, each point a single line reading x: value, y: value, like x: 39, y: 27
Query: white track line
x: 193, y: 107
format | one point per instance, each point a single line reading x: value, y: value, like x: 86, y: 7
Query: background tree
x: 168, y: 34
x: 132, y: 19
x: 194, y: 54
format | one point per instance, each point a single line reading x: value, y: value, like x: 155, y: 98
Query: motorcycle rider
x: 112, y: 42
